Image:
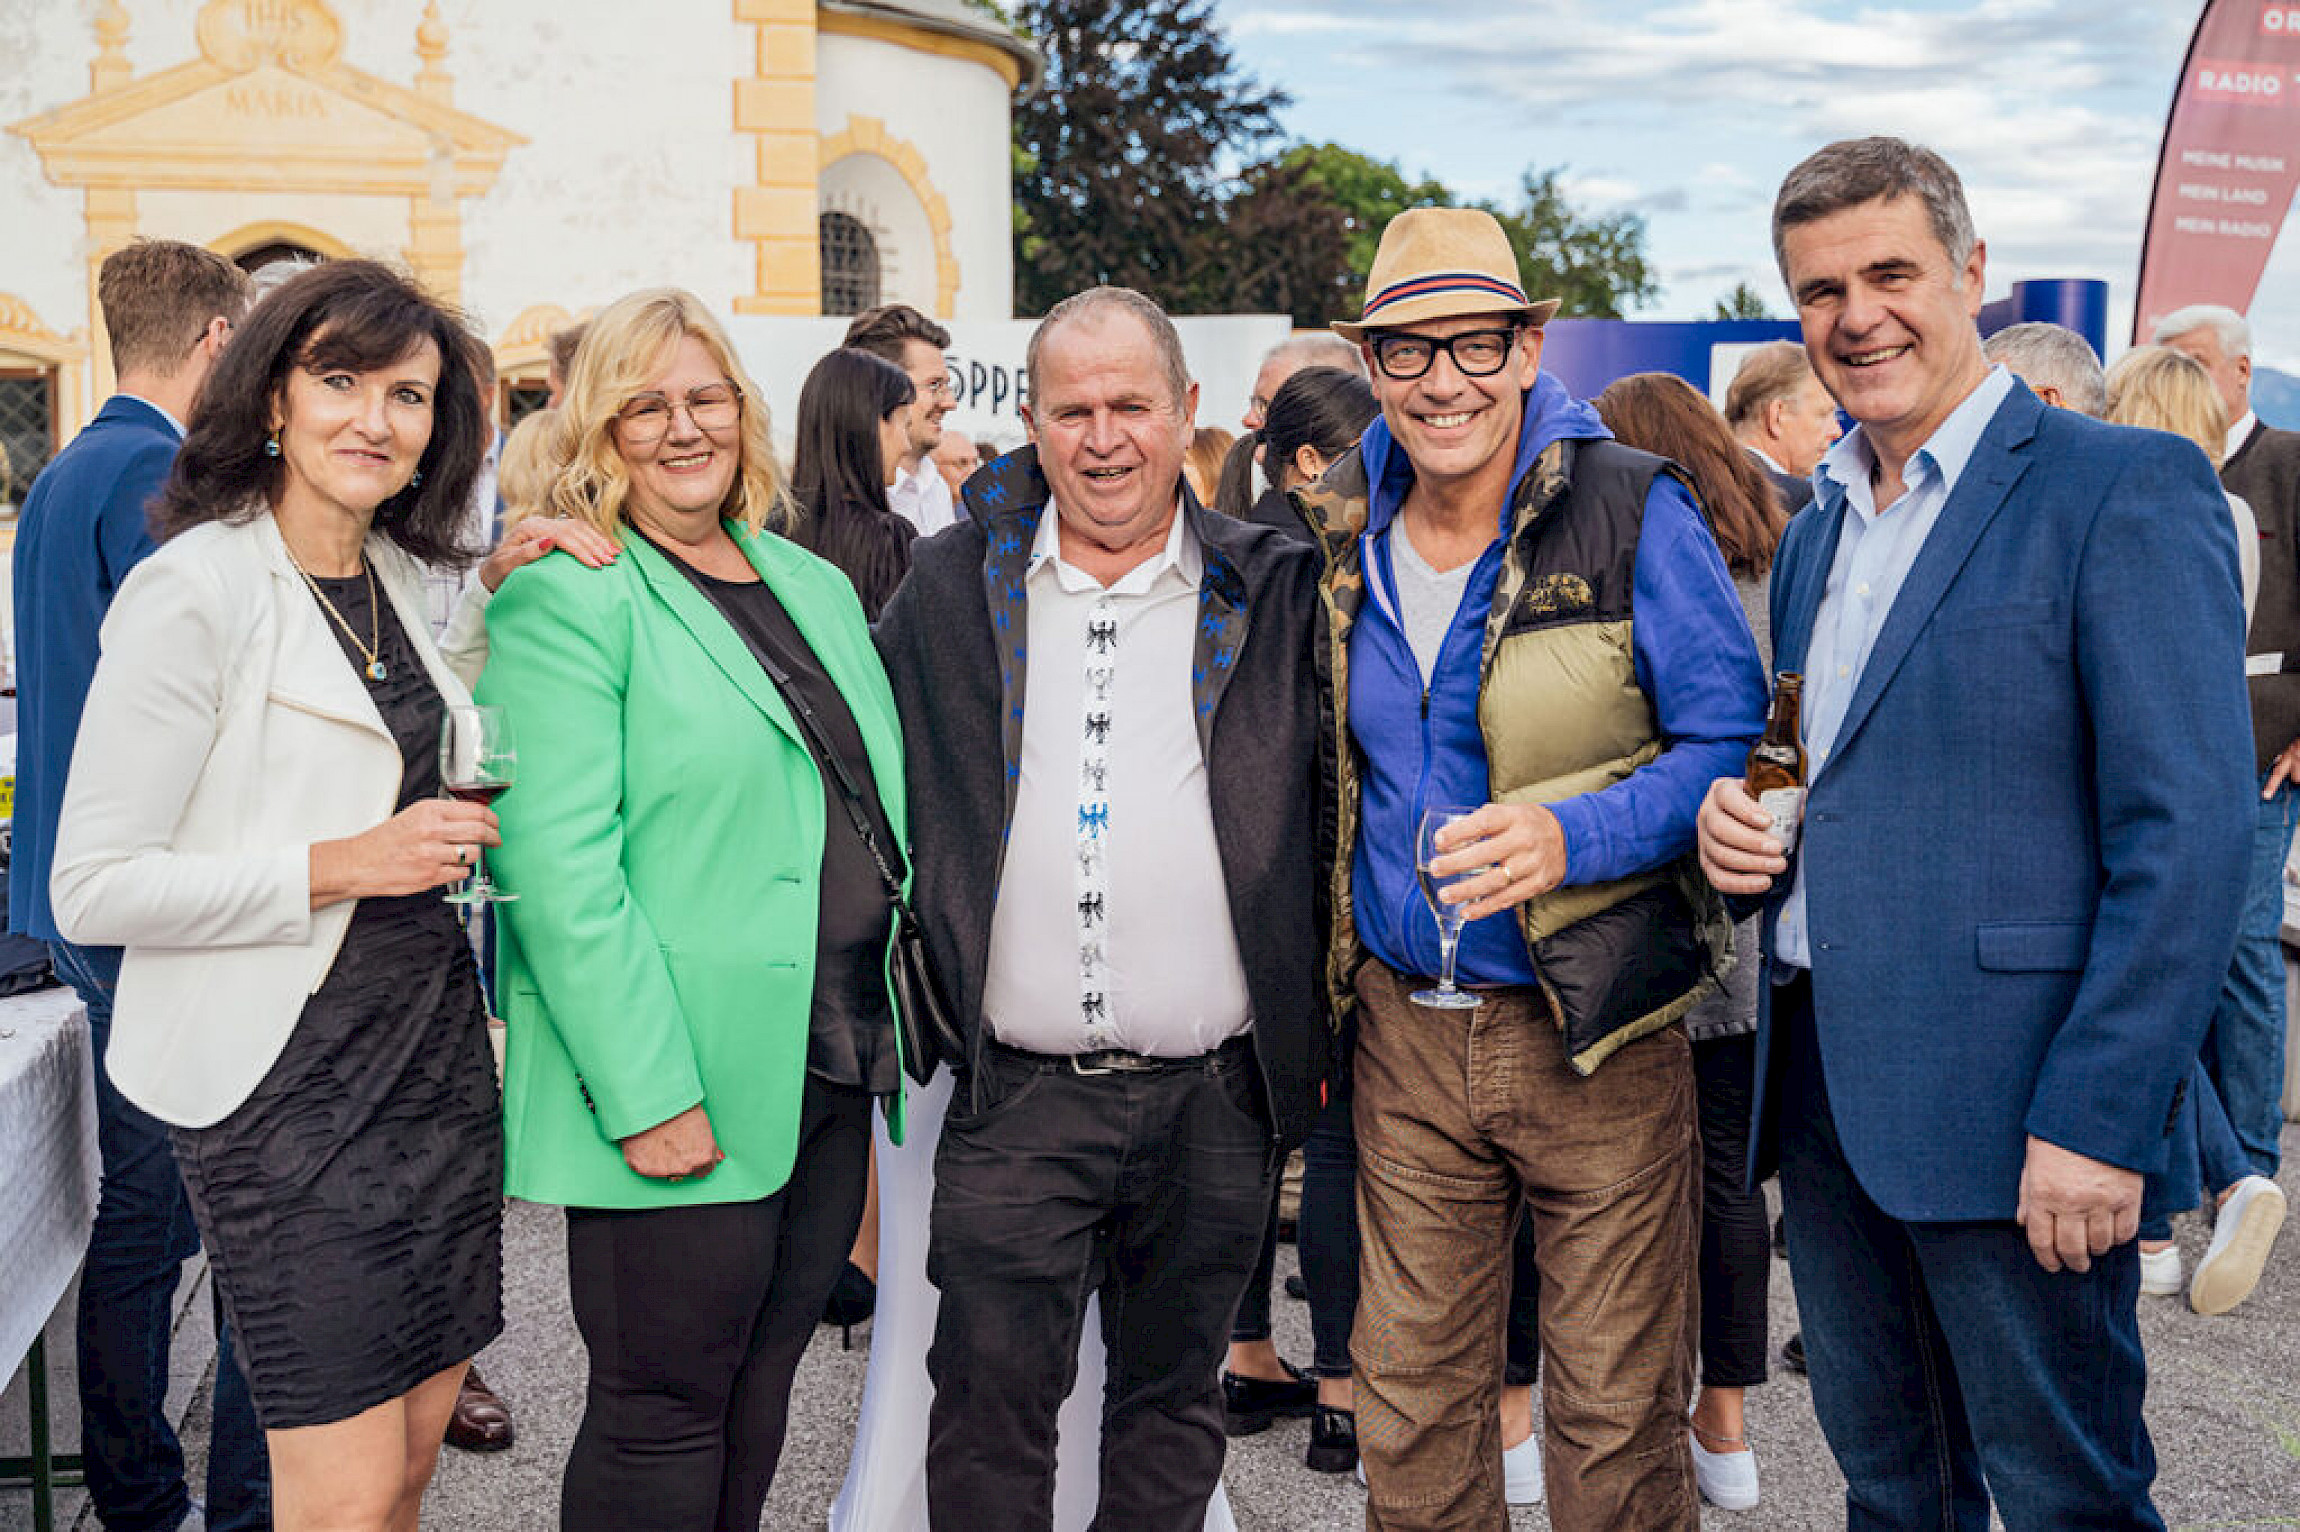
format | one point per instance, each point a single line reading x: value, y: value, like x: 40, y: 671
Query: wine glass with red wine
x: 476, y: 764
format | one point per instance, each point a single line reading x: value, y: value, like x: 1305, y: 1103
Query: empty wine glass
x: 1446, y: 997
x: 476, y: 764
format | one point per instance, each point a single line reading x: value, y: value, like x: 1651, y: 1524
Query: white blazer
x: 224, y: 734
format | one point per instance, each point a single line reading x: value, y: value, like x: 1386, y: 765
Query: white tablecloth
x: 48, y: 1160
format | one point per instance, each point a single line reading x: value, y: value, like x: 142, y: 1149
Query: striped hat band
x: 1434, y: 283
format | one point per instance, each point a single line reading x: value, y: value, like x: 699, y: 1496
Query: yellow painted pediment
x: 280, y: 113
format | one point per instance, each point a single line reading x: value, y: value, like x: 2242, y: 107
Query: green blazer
x: 664, y: 837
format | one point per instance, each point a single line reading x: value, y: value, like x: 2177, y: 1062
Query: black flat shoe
x: 1297, y: 1289
x: 1333, y: 1441
x: 1793, y: 1354
x: 854, y: 1298
x: 1250, y: 1404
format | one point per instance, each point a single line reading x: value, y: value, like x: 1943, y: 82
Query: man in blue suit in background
x: 169, y: 308
x: 2017, y: 884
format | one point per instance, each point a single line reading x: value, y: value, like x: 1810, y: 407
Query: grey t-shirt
x: 1428, y: 599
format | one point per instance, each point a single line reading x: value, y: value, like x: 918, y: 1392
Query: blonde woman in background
x: 524, y: 470
x: 1203, y: 466
x: 2167, y: 390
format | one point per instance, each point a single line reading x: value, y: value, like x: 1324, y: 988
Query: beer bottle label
x: 1785, y: 805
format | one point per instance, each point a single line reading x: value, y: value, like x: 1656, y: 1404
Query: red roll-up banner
x: 2230, y: 162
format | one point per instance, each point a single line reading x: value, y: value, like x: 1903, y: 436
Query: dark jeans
x: 1736, y: 1241
x: 1947, y: 1365
x: 1149, y: 1188
x: 2244, y: 1049
x: 143, y: 1235
x: 1327, y: 1235
x: 2203, y: 1160
x: 1252, y: 1322
x: 695, y: 1319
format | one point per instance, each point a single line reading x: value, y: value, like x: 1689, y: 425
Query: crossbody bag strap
x: 850, y: 791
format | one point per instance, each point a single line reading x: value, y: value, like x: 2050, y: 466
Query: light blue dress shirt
x: 1875, y: 551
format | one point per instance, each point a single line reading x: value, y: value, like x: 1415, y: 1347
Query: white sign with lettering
x: 985, y: 358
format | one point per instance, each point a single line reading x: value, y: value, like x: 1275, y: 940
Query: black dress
x: 352, y: 1206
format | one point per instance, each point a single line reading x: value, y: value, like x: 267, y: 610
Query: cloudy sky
x: 1690, y: 111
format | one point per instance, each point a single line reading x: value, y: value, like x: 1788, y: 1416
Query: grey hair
x: 2234, y: 330
x: 1319, y: 351
x: 2052, y: 356
x: 1854, y: 171
x: 1163, y: 335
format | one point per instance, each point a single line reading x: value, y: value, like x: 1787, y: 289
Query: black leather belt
x: 1120, y: 1061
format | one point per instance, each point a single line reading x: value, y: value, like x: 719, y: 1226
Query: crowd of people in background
x: 944, y: 885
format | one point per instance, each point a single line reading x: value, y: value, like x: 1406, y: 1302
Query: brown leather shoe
x: 481, y: 1422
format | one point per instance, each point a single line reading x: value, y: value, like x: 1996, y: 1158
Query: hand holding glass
x: 1446, y: 997
x: 477, y: 764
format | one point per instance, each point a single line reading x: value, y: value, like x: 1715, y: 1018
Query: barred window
x: 27, y: 429
x: 850, y: 265
x: 522, y: 397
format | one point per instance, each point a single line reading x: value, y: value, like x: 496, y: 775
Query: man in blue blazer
x: 2016, y: 888
x: 169, y: 308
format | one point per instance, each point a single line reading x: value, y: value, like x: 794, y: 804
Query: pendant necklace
x: 372, y: 650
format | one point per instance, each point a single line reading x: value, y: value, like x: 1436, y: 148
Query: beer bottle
x: 1776, y: 776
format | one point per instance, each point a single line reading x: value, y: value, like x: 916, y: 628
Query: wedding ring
x: 463, y: 855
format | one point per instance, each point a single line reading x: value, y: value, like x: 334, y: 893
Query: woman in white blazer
x: 253, y: 814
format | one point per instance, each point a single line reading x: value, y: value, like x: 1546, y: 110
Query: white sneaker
x: 1521, y: 1470
x: 1728, y: 1480
x: 2242, y: 1233
x: 2160, y: 1273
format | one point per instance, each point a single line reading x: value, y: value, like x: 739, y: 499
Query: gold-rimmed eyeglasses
x: 646, y: 419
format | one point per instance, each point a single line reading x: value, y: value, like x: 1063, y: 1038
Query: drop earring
x: 272, y: 445
x: 415, y: 479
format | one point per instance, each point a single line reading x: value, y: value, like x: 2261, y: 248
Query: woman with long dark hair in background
x: 852, y: 433
x: 1661, y: 413
x: 850, y: 437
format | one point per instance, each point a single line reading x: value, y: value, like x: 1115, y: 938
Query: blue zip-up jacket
x: 1695, y: 661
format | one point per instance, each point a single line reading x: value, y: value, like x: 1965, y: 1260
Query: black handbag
x: 923, y: 1019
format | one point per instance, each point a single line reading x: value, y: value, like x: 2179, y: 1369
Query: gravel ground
x: 2224, y: 1406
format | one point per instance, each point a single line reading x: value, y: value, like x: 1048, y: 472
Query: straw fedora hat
x: 1438, y: 262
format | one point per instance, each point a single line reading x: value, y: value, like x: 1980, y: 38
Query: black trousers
x: 1736, y: 1244
x: 695, y: 1319
x: 1149, y: 1189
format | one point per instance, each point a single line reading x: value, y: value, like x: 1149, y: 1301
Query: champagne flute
x: 1446, y: 997
x: 476, y: 764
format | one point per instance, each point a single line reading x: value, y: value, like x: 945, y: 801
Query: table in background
x: 47, y: 1198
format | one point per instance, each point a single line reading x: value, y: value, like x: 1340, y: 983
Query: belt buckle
x: 1107, y: 1061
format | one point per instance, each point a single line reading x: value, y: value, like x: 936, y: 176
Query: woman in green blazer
x: 694, y: 972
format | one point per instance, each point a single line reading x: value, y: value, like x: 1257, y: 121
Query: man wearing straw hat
x: 1531, y: 622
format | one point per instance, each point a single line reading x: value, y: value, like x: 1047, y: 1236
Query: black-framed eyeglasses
x: 1475, y: 353
x: 647, y: 417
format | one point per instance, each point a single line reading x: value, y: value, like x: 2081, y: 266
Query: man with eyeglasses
x: 1533, y: 622
x: 902, y: 335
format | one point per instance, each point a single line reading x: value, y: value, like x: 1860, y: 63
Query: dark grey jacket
x: 954, y: 642
x: 2265, y: 474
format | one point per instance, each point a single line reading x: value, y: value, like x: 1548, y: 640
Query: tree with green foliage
x: 1141, y: 105
x: 1287, y: 249
x: 1368, y: 191
x: 1594, y: 262
x: 1743, y: 302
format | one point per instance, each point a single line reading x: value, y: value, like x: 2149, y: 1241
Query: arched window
x: 850, y: 265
